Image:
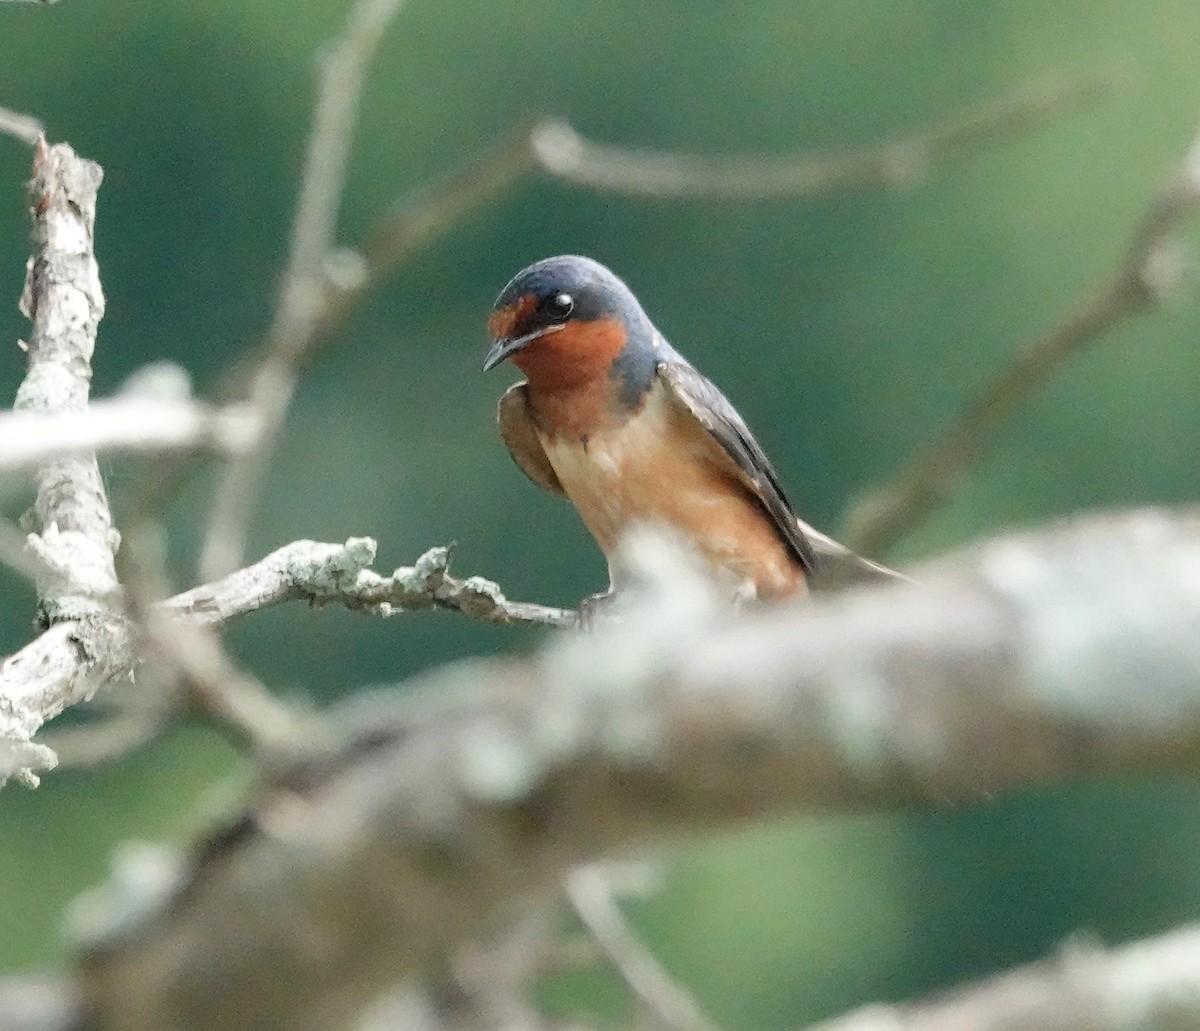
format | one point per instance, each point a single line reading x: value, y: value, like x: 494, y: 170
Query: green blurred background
x: 845, y: 327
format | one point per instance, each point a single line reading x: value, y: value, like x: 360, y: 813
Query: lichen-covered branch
x: 1151, y: 267
x: 62, y: 297
x: 341, y: 574
x: 75, y: 540
x: 74, y: 659
x: 1013, y: 664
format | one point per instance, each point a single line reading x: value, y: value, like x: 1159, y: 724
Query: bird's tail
x: 839, y: 567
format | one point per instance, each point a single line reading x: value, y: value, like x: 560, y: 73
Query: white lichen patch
x: 326, y: 569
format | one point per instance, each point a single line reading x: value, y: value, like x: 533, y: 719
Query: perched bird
x: 617, y: 420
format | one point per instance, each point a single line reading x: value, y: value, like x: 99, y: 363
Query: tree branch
x: 62, y: 296
x: 340, y: 573
x: 73, y: 660
x: 562, y: 152
x: 1014, y: 664
x: 1152, y: 266
x: 75, y: 540
x: 1153, y: 982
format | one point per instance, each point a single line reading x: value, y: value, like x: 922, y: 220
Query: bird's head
x: 564, y: 321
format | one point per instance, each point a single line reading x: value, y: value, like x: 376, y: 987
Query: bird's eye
x: 559, y: 306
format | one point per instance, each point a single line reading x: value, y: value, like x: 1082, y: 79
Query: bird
x: 614, y: 418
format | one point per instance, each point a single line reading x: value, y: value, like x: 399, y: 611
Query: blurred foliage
x: 846, y: 328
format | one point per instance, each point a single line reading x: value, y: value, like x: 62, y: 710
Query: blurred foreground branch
x: 135, y: 425
x: 1152, y: 266
x: 1151, y: 985
x: 591, y: 896
x: 25, y: 128
x: 1016, y: 663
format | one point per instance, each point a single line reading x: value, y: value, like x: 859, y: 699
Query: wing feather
x: 714, y: 412
x: 519, y: 436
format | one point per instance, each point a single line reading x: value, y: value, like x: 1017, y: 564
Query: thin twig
x: 219, y: 690
x: 672, y: 1007
x: 1151, y: 268
x: 214, y: 686
x: 343, y: 72
x: 557, y: 149
x: 23, y: 127
x: 562, y: 152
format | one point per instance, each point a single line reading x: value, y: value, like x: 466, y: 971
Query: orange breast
x: 661, y: 466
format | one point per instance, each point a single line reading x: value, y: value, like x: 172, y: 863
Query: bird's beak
x: 506, y: 347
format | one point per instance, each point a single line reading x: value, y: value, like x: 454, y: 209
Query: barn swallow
x: 615, y: 419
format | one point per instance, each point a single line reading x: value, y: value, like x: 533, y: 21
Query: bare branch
x: 592, y: 898
x: 135, y: 425
x: 562, y: 152
x: 23, y: 127
x: 1015, y: 664
x: 343, y: 71
x: 1150, y: 269
x: 62, y: 296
